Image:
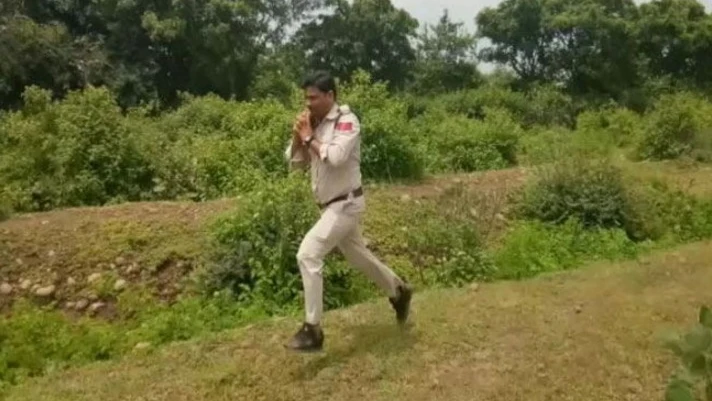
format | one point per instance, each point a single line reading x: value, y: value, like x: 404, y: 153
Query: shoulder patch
x: 345, y: 126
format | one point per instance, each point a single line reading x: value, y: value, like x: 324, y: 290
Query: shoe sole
x: 406, y: 312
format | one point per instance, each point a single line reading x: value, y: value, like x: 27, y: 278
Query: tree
x: 588, y: 46
x: 157, y: 49
x: 371, y: 35
x: 675, y: 38
x: 45, y: 55
x: 446, y: 58
x: 516, y: 29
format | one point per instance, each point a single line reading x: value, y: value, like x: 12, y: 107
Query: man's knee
x: 308, y: 259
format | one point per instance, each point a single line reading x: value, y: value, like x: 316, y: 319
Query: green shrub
x: 387, y: 144
x: 445, y: 240
x: 678, y: 125
x: 692, y: 381
x: 460, y: 144
x: 542, y: 106
x: 534, y: 247
x: 621, y: 127
x: 431, y: 242
x: 664, y: 214
x: 34, y: 340
x: 591, y: 191
x: 388, y: 152
x: 71, y: 153
x: 27, y: 349
x: 547, y: 106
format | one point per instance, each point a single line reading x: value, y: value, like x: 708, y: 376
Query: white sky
x: 459, y: 10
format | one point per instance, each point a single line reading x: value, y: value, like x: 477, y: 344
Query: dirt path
x: 588, y: 335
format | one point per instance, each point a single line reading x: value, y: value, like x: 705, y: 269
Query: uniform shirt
x: 335, y: 171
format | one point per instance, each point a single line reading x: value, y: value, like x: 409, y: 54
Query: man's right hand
x: 302, y: 119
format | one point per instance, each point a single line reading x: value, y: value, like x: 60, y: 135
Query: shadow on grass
x: 383, y: 340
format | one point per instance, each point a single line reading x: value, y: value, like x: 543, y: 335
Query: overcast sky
x: 460, y: 10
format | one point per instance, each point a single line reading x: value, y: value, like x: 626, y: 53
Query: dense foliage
x: 150, y: 52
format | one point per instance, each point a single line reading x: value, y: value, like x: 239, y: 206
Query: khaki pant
x: 339, y: 226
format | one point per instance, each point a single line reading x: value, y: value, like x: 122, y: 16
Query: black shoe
x: 401, y: 303
x: 308, y: 338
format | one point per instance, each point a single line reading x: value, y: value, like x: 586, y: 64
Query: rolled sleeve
x: 346, y: 135
x: 295, y: 157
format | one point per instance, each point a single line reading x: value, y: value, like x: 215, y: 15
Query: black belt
x: 356, y: 193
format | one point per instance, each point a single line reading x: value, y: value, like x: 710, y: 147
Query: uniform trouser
x: 339, y: 226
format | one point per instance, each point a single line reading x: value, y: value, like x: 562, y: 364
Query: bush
x: 388, y: 152
x: 387, y: 144
x: 694, y: 350
x: 550, y: 145
x: 620, y: 127
x: 460, y: 144
x: 257, y: 244
x: 72, y: 153
x: 591, y: 191
x: 534, y: 247
x: 27, y: 349
x: 678, y: 125
x: 547, y: 106
x: 661, y: 213
x: 431, y: 242
x: 541, y: 106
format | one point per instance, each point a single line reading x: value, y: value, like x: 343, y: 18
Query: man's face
x: 319, y: 103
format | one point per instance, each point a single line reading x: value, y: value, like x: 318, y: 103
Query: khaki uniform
x: 335, y: 171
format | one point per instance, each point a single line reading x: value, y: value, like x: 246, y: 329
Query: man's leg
x: 358, y: 255
x: 323, y: 237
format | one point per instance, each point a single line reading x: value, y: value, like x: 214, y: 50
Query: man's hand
x: 305, y: 127
x: 301, y: 121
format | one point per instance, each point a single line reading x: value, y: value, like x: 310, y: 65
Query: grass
x: 160, y: 235
x: 590, y: 334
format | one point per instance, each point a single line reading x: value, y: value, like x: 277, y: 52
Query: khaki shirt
x: 335, y: 171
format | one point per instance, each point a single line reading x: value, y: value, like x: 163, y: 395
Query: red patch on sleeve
x: 344, y: 126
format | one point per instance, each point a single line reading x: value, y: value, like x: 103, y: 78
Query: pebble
x: 81, y: 304
x: 93, y: 277
x: 70, y: 305
x: 71, y: 281
x: 143, y: 345
x: 25, y: 284
x: 46, y: 291
x: 96, y: 306
x: 5, y: 289
x: 51, y: 254
x: 120, y: 285
x: 120, y: 260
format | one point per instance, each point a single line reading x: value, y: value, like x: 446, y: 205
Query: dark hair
x: 321, y: 80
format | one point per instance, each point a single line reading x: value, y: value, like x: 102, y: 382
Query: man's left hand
x: 305, y: 131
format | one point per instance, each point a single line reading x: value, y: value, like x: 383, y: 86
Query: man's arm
x: 346, y: 135
x: 296, y: 154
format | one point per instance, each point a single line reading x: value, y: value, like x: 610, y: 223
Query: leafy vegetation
x: 693, y: 382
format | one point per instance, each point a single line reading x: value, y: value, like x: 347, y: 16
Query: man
x: 326, y: 138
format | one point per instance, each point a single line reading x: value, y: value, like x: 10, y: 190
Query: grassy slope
x: 580, y: 335
x: 158, y: 243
